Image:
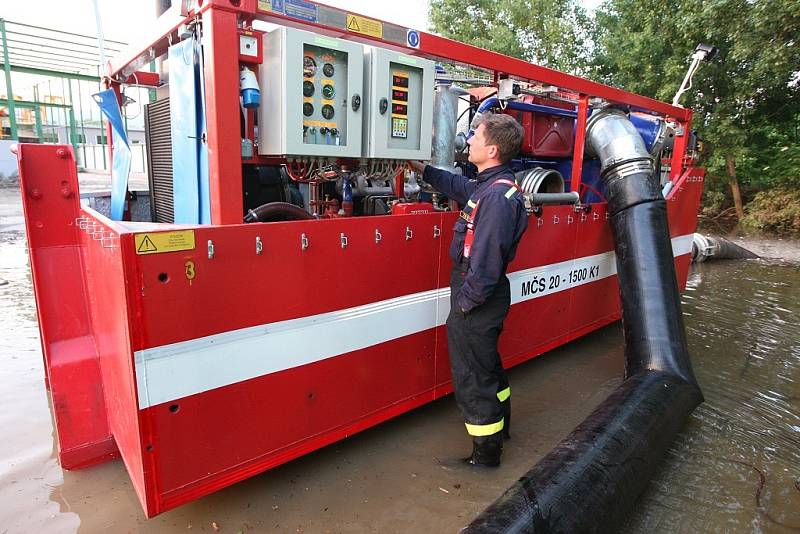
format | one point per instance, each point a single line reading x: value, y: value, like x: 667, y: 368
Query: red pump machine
x: 204, y: 352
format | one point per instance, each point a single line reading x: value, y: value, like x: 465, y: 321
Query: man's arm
x: 494, y: 237
x: 454, y: 186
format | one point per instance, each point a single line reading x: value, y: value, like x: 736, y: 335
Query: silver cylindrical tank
x: 445, y: 115
x: 540, y: 180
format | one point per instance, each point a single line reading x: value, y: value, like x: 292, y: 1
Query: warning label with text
x: 158, y: 242
x: 364, y: 26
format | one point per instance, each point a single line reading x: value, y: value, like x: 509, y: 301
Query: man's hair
x: 504, y: 132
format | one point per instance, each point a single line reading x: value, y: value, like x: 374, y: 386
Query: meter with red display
x: 399, y: 105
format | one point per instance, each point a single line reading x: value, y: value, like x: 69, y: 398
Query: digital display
x: 399, y: 81
x: 399, y: 109
x: 399, y: 95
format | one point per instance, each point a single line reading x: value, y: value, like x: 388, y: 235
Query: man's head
x: 496, y: 141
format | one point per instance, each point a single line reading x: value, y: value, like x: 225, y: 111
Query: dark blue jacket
x: 499, y: 224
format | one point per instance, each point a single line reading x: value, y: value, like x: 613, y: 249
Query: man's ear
x: 493, y: 152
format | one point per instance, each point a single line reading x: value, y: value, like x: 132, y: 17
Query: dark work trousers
x: 478, y: 374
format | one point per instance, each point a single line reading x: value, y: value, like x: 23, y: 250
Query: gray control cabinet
x: 311, y: 95
x: 398, y: 105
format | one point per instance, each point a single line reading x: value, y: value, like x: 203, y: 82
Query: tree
x: 552, y: 33
x: 644, y: 46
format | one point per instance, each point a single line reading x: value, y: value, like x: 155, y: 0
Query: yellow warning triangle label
x: 160, y: 242
x: 147, y: 245
x: 364, y: 26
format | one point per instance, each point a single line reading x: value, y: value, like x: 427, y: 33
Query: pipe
x: 705, y: 248
x: 445, y: 114
x: 553, y: 199
x: 488, y: 103
x: 540, y: 180
x: 592, y: 478
x: 654, y: 131
x: 277, y: 211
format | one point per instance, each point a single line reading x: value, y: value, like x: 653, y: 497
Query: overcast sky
x: 125, y: 21
x: 128, y: 22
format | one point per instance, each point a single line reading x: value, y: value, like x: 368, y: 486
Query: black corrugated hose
x: 591, y: 479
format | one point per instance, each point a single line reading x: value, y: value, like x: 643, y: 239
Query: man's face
x: 479, y: 151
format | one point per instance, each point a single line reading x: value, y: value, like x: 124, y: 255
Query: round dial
x: 308, y: 88
x: 328, y: 91
x: 308, y: 109
x: 327, y: 111
x: 328, y: 70
x: 309, y: 66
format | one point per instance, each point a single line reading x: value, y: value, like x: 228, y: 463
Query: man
x: 484, y: 242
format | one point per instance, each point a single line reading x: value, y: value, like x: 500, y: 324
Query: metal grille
x: 159, y: 160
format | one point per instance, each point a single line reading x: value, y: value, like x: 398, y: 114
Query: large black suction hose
x: 592, y: 478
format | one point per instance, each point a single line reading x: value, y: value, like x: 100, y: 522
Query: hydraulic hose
x: 591, y: 479
x: 277, y: 211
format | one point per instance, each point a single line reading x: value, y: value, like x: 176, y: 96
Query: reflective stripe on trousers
x: 479, y: 380
x: 484, y: 430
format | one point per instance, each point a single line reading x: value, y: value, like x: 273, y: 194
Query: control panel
x: 398, y: 114
x: 312, y: 89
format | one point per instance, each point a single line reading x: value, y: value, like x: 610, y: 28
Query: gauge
x: 328, y: 70
x: 309, y: 66
x: 308, y: 88
x: 327, y: 111
x: 328, y: 91
x: 308, y: 109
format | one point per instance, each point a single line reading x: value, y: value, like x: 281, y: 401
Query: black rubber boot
x: 486, y: 451
x: 507, y: 419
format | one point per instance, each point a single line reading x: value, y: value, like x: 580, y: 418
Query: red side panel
x: 49, y: 187
x: 109, y: 315
x: 535, y: 323
x: 683, y: 203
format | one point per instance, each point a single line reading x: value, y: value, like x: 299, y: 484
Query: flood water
x: 734, y: 468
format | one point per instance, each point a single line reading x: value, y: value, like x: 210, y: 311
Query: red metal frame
x: 580, y: 141
x: 102, y: 307
x: 221, y: 20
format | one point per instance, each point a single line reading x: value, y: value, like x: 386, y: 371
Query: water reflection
x: 736, y: 466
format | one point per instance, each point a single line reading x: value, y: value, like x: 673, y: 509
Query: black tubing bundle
x: 591, y: 479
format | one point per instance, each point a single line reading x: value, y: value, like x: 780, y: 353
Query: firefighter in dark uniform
x: 485, y: 240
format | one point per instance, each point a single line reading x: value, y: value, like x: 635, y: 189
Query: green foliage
x: 746, y: 102
x: 552, y: 33
x: 776, y: 210
x: 713, y: 202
